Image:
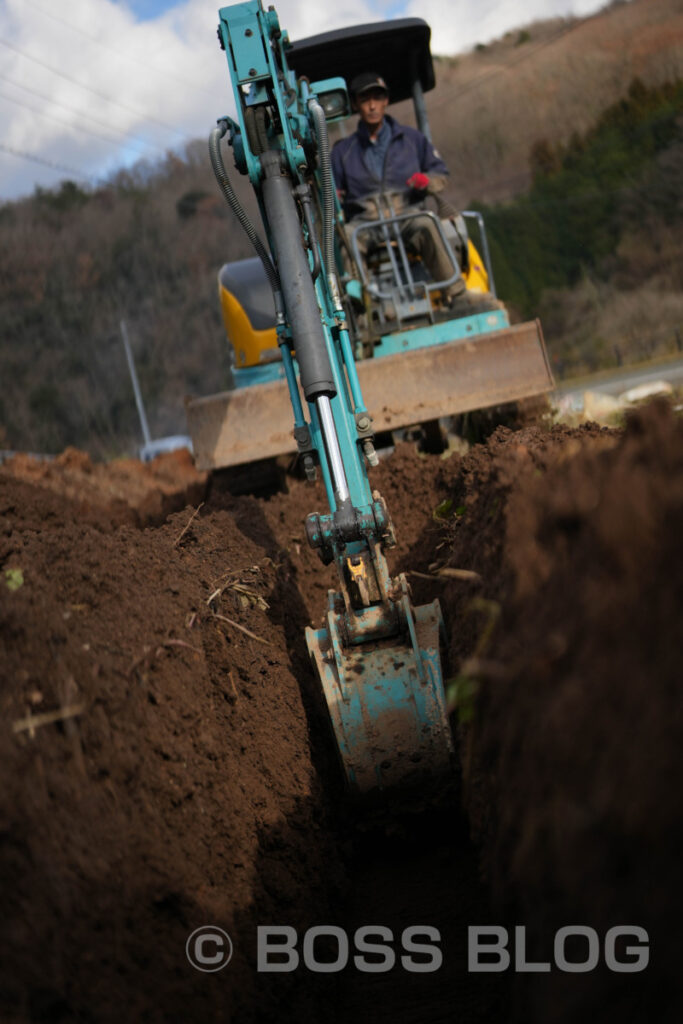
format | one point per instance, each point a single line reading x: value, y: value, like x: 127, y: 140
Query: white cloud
x: 167, y: 76
x: 167, y: 79
x: 302, y: 18
x: 457, y: 25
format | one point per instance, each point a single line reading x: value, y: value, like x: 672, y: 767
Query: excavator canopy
x: 397, y: 50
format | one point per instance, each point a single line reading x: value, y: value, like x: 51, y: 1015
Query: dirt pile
x: 176, y: 789
x: 166, y: 766
x: 123, y: 491
x: 572, y: 761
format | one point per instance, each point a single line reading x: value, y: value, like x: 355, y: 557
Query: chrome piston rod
x: 334, y: 457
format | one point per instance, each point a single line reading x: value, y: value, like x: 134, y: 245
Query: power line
x: 46, y: 163
x: 59, y: 120
x: 121, y: 53
x: 74, y: 110
x: 95, y: 92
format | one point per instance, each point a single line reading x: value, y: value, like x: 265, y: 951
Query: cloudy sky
x: 91, y: 85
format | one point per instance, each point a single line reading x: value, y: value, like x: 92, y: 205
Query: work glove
x: 418, y: 181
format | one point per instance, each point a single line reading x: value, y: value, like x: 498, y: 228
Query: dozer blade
x: 386, y: 702
x: 399, y: 390
x: 459, y: 376
x: 241, y: 426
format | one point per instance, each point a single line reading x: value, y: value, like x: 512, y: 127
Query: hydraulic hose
x: 326, y: 175
x: 305, y: 199
x: 233, y: 202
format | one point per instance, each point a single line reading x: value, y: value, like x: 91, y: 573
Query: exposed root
x: 242, y: 629
x: 33, y: 722
x: 188, y: 524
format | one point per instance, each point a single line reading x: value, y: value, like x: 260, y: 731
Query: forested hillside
x: 73, y: 263
x: 544, y: 81
x: 567, y: 134
x: 595, y: 246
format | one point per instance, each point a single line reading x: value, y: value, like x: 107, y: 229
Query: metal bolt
x: 248, y: 32
x: 252, y: 72
x: 370, y: 453
x: 363, y: 422
x: 309, y: 468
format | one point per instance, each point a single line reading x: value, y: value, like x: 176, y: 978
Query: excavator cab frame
x: 401, y: 283
x: 399, y: 52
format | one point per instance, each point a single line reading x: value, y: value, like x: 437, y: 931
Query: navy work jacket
x: 409, y: 152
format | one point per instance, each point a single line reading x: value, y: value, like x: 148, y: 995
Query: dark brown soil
x: 184, y: 793
x: 192, y: 781
x: 125, y: 491
x: 573, y: 764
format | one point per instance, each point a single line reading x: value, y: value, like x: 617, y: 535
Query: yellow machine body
x: 253, y: 346
x: 476, y: 278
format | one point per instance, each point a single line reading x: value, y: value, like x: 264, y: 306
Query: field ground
x: 164, y: 769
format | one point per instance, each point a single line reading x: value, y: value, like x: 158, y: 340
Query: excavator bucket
x: 386, y: 701
x: 402, y: 389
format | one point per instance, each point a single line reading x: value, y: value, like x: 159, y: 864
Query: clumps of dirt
x: 572, y: 762
x: 125, y: 491
x: 156, y: 763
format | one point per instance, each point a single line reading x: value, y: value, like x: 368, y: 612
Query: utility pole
x: 136, y: 384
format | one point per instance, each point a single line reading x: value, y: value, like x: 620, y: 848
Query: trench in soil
x: 407, y: 863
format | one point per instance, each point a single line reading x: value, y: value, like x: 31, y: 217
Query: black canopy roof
x: 396, y: 50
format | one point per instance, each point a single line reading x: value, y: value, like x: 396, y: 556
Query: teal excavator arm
x: 377, y: 656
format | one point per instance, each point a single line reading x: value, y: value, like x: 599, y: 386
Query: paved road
x: 615, y: 384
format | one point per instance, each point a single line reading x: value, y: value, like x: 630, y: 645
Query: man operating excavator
x: 384, y: 162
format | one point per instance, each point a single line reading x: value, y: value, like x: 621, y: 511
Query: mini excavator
x: 316, y: 329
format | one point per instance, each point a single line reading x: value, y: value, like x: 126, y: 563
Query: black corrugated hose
x: 326, y: 176
x: 233, y: 202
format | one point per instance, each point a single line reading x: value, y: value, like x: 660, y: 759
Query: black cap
x: 367, y: 80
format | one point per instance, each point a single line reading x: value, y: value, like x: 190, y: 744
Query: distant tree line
x: 145, y: 247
